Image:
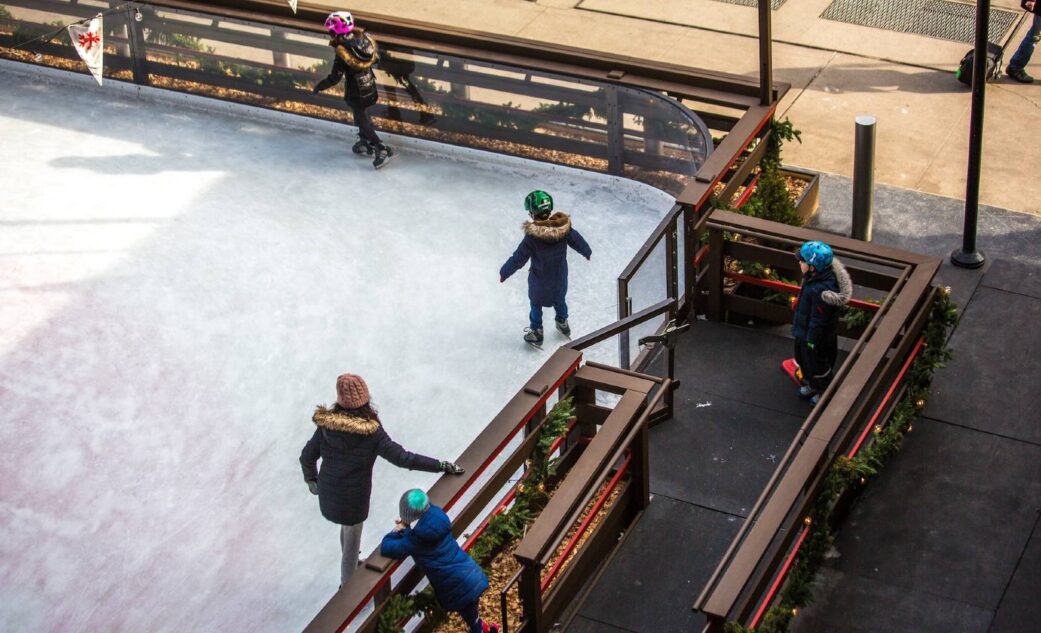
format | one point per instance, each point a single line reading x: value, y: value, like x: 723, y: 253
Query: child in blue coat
x: 546, y: 240
x: 815, y: 325
x: 457, y: 580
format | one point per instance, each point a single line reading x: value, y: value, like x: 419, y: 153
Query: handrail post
x: 530, y: 591
x: 138, y: 52
x: 615, y: 132
x: 639, y: 469
x: 715, y: 275
x: 625, y: 309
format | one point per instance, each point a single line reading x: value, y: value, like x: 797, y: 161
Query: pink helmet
x: 339, y: 22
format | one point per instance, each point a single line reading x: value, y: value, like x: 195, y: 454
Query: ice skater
x: 457, y: 580
x: 348, y: 439
x: 826, y: 287
x: 356, y: 54
x: 546, y: 238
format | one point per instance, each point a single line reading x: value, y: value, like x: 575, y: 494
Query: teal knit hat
x: 412, y: 505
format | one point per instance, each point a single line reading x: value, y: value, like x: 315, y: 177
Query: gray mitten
x: 452, y: 469
x: 312, y: 485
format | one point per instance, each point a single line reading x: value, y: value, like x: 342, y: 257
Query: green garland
x: 532, y: 496
x: 852, y: 474
x: 771, y: 200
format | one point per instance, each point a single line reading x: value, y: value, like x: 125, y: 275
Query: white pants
x: 350, y: 544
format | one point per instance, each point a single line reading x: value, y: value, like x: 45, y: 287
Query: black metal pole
x: 766, y: 64
x: 863, y: 177
x: 967, y: 256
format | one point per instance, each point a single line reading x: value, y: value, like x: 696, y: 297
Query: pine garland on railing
x: 501, y: 530
x: 846, y: 473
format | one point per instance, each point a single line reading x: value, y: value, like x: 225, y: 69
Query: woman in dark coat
x: 546, y: 240
x: 348, y: 439
x: 356, y: 54
x: 456, y: 579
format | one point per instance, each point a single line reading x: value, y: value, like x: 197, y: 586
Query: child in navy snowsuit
x: 546, y: 240
x: 456, y: 579
x: 815, y: 325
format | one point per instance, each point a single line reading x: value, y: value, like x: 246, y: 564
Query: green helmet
x: 538, y: 203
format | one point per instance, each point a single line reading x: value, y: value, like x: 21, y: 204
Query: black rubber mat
x: 660, y: 569
x: 718, y: 453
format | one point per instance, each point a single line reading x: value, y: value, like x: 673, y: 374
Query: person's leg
x: 350, y: 543
x: 560, y: 307
x: 366, y: 130
x: 1021, y: 57
x: 535, y: 316
x: 821, y: 369
x: 472, y: 618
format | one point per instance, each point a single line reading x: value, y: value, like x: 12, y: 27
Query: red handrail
x: 792, y: 289
x: 885, y: 400
x: 780, y: 576
x: 573, y: 541
x: 747, y: 193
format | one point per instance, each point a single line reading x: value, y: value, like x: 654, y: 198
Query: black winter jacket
x: 815, y: 318
x: 355, y: 57
x: 348, y: 447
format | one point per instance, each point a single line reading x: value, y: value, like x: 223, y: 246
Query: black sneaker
x: 1019, y: 74
x: 563, y: 327
x: 384, y: 155
x: 362, y: 148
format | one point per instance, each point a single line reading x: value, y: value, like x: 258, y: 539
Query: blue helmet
x: 816, y: 254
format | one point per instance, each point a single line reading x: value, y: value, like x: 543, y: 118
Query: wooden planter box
x: 808, y: 202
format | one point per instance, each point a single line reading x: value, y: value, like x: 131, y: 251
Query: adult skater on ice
x: 546, y: 238
x: 348, y: 439
x: 356, y: 54
x: 457, y: 580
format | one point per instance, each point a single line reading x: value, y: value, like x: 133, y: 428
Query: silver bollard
x: 863, y: 177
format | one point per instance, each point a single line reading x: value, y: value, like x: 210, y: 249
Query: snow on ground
x: 179, y: 287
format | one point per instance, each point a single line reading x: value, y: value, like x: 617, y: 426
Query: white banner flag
x: 292, y: 5
x: 89, y: 43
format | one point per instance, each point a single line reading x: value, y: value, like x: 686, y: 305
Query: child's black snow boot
x: 563, y: 327
x: 363, y: 147
x: 384, y: 155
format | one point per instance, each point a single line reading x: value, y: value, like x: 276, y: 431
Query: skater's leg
x: 350, y: 544
x: 472, y: 618
x: 535, y: 317
x: 560, y: 313
x: 366, y: 130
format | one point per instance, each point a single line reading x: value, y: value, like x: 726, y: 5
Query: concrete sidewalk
x: 837, y: 71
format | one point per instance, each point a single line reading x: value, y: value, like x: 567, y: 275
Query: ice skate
x: 533, y: 337
x: 563, y: 327
x: 363, y: 148
x: 384, y: 155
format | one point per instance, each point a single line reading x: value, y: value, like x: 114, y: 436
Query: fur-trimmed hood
x: 359, y: 52
x: 845, y: 292
x: 334, y: 420
x: 552, y: 229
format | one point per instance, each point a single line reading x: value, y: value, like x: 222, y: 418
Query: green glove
x: 809, y: 344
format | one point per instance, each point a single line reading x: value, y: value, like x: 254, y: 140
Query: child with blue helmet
x: 825, y: 288
x: 457, y: 580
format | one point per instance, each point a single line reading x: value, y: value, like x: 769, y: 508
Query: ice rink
x: 181, y: 286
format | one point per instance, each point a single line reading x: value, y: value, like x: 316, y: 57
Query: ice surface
x: 180, y: 287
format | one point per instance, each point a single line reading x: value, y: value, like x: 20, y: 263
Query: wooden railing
x: 753, y: 568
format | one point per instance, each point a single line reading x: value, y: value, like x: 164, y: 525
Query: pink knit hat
x: 351, y: 391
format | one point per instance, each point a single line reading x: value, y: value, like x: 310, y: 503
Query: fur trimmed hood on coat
x: 333, y: 420
x: 552, y: 229
x: 355, y: 56
x: 845, y: 292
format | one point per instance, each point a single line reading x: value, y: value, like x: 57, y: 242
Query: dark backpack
x: 994, y: 54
